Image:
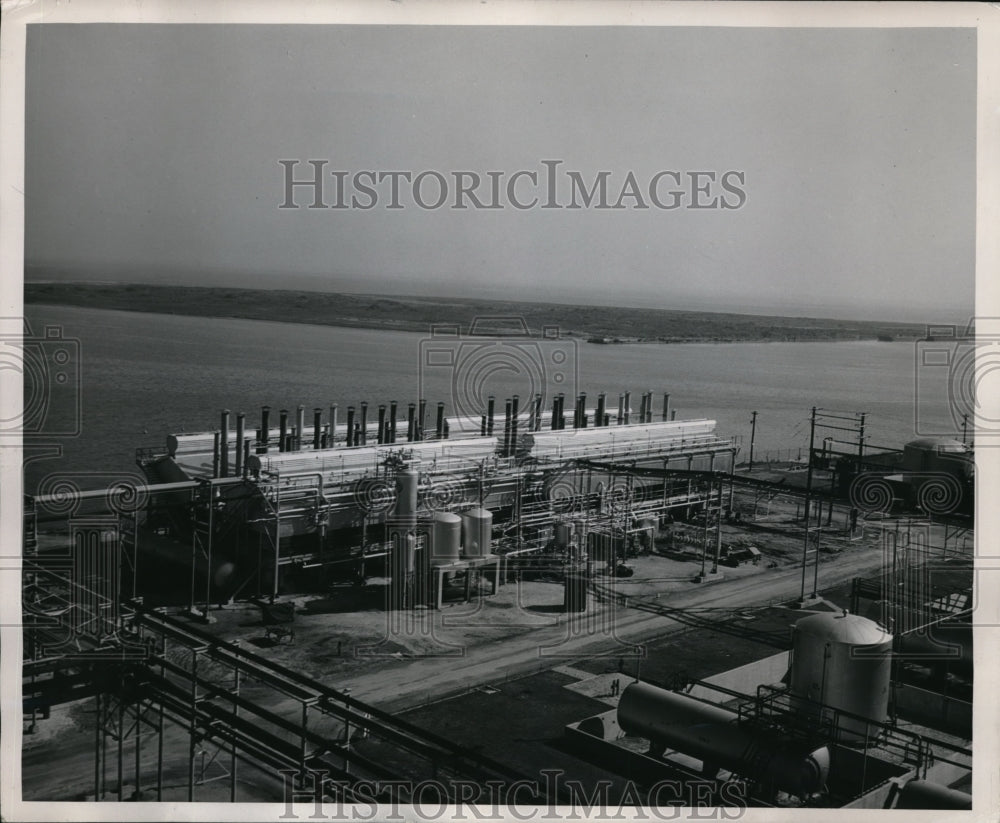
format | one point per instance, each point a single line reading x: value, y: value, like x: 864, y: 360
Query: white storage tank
x: 446, y: 537
x: 842, y: 660
x: 477, y: 532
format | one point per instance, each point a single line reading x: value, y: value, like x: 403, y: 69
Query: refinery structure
x: 172, y: 611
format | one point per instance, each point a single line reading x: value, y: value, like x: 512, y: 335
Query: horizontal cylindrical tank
x: 477, y: 532
x: 712, y: 734
x: 446, y: 536
x: 843, y: 661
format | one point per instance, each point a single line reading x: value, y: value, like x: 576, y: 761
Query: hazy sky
x: 152, y: 153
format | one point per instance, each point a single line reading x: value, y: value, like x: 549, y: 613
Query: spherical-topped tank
x: 843, y: 661
x: 447, y: 534
x: 477, y: 532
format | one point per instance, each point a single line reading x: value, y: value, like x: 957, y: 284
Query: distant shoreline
x: 595, y: 324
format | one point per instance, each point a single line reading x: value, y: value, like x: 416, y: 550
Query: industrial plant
x: 331, y: 606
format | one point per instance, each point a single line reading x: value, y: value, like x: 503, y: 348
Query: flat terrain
x: 598, y: 323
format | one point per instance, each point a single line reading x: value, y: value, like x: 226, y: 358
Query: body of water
x: 145, y: 375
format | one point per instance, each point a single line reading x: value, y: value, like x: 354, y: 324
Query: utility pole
x: 809, y: 477
x: 753, y: 434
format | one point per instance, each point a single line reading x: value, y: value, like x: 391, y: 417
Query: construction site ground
x: 514, y: 664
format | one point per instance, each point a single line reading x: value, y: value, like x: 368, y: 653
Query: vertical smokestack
x: 350, y: 426
x: 317, y: 428
x: 621, y: 409
x: 224, y: 444
x: 364, y: 422
x: 562, y: 410
x: 411, y: 419
x: 392, y: 422
x: 642, y: 409
x: 666, y: 405
x: 440, y: 421
x: 628, y: 407
x: 282, y: 429
x: 246, y: 457
x: 599, y: 417
x: 421, y: 418
x: 538, y: 413
x: 215, y: 456
x: 265, y: 415
x: 300, y: 427
x: 381, y: 423
x: 240, y: 442
x: 506, y: 431
x: 489, y: 414
x: 482, y: 425
x: 333, y: 425
x: 514, y: 407
x: 554, y: 422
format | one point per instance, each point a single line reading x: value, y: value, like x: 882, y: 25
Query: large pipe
x: 666, y: 405
x: 392, y: 422
x: 924, y: 794
x: 224, y: 445
x: 538, y: 413
x: 489, y: 414
x: 421, y: 418
x: 300, y: 426
x: 554, y: 422
x: 642, y: 408
x: 317, y: 428
x: 364, y: 422
x: 599, y: 417
x: 240, y: 440
x: 381, y: 423
x: 621, y: 409
x: 350, y: 426
x: 282, y: 429
x: 333, y: 425
x: 713, y: 735
x: 562, y: 410
x: 411, y: 422
x: 627, y: 407
x: 439, y: 429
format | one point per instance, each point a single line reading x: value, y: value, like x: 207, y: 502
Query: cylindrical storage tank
x: 711, y: 734
x: 563, y: 534
x: 407, y: 483
x: 843, y: 661
x: 477, y: 532
x: 446, y: 538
